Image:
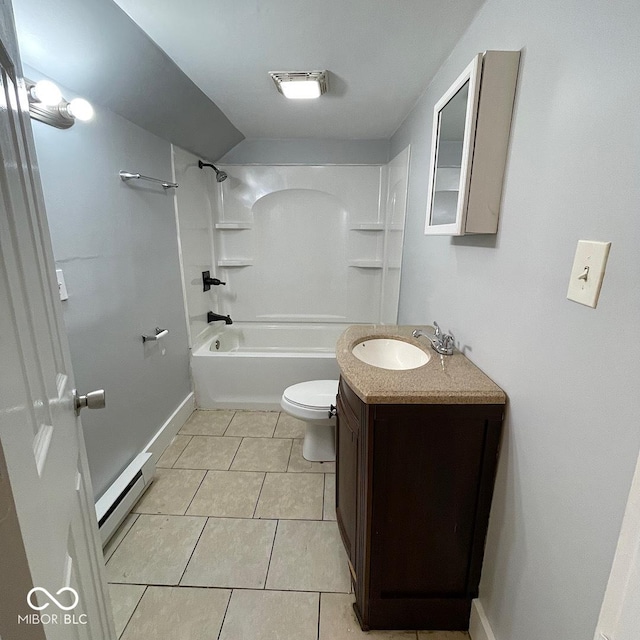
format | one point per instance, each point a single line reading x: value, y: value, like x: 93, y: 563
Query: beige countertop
x: 443, y: 380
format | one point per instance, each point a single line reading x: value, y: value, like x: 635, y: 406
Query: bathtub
x: 249, y: 365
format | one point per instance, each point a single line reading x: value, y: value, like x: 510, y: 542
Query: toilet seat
x: 310, y: 400
x: 315, y: 394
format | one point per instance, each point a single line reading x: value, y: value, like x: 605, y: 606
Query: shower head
x: 221, y: 176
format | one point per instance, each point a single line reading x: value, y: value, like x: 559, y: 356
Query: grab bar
x: 127, y: 175
x: 160, y: 333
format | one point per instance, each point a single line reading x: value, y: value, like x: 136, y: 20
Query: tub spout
x: 213, y: 317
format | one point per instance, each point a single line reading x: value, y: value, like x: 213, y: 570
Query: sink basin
x: 389, y: 353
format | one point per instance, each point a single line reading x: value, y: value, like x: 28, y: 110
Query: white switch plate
x: 588, y: 271
x: 62, y: 287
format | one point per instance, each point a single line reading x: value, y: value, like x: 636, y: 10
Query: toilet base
x: 320, y: 441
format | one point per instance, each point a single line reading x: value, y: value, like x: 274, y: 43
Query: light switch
x: 62, y: 287
x: 588, y: 271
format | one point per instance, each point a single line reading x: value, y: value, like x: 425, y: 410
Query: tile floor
x: 236, y: 540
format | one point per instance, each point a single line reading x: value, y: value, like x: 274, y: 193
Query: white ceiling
x: 381, y: 55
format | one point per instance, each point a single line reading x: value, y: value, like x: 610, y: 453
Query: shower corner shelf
x: 228, y: 226
x: 240, y: 262
x: 366, y: 264
x: 372, y: 226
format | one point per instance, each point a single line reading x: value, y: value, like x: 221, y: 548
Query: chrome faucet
x: 440, y: 342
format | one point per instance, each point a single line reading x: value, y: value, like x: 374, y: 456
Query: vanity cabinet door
x: 347, y: 478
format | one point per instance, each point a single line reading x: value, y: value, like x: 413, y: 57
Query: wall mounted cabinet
x: 413, y: 491
x: 471, y: 124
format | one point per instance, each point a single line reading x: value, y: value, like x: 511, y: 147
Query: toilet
x: 311, y: 402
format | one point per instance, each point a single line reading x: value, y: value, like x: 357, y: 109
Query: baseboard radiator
x: 119, y: 498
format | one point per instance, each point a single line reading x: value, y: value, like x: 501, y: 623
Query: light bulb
x: 47, y: 93
x: 80, y: 109
x: 301, y: 89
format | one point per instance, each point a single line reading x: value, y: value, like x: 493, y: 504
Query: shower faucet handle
x: 207, y: 281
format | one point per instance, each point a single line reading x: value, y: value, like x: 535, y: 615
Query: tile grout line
x: 137, y: 515
x: 146, y: 586
x: 315, y: 473
x: 277, y: 422
x: 182, y: 435
x: 290, y: 454
x: 273, y: 544
x: 162, y: 585
x: 324, y: 491
x: 173, y: 466
x: 319, y: 609
x: 273, y: 433
x: 193, y: 497
x: 224, y: 617
x: 224, y: 433
x: 234, y: 455
x: 264, y: 478
x: 206, y: 521
x: 215, y: 517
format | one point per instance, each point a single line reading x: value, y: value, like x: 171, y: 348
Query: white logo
x: 52, y: 598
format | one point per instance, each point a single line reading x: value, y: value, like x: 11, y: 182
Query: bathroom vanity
x: 416, y: 460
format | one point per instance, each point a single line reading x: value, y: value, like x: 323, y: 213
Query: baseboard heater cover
x: 112, y: 508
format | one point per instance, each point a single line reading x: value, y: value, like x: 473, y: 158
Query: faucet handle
x: 448, y: 341
x: 442, y: 342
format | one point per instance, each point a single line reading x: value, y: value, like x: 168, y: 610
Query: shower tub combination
x: 249, y: 365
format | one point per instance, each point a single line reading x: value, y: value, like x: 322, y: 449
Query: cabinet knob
x: 333, y: 411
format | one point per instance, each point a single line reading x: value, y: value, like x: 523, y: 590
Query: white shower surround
x: 304, y: 250
x: 308, y: 243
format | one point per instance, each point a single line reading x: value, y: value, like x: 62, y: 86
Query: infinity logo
x: 44, y: 606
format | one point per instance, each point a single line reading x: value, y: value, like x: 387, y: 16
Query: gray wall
x: 571, y: 373
x: 117, y: 245
x: 93, y: 47
x: 307, y: 151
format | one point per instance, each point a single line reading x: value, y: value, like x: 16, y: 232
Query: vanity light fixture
x: 45, y: 92
x: 47, y: 105
x: 80, y: 109
x: 300, y: 85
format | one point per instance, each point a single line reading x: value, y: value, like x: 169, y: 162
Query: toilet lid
x: 316, y: 394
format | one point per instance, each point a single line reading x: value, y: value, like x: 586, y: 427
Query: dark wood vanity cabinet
x: 413, y: 491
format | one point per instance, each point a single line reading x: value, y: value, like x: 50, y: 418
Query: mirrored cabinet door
x: 465, y: 181
x: 454, y: 115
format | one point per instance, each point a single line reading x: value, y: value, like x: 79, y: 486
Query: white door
x: 620, y: 613
x: 46, y: 468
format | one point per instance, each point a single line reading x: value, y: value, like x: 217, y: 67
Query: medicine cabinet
x: 471, y: 124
